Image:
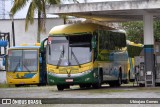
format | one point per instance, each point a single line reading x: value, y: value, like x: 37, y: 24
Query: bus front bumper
x: 89, y: 77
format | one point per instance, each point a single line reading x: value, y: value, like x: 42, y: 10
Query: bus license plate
x: 69, y: 80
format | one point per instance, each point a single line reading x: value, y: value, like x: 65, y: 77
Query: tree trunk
x: 39, y: 28
x: 65, y: 20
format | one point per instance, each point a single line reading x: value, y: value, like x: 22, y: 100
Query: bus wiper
x: 75, y: 58
x: 16, y: 66
x: 26, y: 68
x: 60, y: 58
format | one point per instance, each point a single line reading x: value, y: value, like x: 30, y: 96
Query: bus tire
x: 129, y: 75
x: 88, y: 85
x: 96, y: 85
x: 157, y: 84
x: 85, y: 85
x: 111, y: 84
x: 119, y: 81
x: 82, y: 86
x: 41, y: 84
x: 18, y: 85
x: 141, y: 85
x: 126, y: 81
x: 100, y: 79
x: 60, y: 87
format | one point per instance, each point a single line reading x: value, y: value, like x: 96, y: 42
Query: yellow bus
x: 86, y: 54
x: 134, y: 49
x: 25, y: 65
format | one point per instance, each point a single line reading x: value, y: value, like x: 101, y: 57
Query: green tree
x: 134, y: 30
x: 157, y: 30
x: 35, y: 5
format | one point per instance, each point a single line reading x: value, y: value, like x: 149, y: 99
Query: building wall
x: 24, y: 37
x: 29, y: 36
x: 2, y: 77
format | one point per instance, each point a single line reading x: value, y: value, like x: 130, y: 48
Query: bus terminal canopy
x: 110, y: 11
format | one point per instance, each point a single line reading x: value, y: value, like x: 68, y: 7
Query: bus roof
x: 134, y: 44
x: 76, y: 29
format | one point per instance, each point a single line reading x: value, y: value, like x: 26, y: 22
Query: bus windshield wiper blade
x: 18, y: 64
x: 75, y: 58
x: 60, y: 58
x: 26, y: 68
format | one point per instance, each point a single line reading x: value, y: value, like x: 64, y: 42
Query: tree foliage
x: 135, y: 30
x: 35, y: 5
x: 157, y: 30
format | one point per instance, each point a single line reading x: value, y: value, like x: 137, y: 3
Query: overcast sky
x: 23, y: 12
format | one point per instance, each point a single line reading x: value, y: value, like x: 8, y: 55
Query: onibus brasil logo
x: 21, y: 101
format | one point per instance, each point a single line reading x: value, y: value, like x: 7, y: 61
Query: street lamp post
x: 13, y: 34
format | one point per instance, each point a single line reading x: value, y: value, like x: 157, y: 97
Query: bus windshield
x: 69, y: 50
x: 23, y: 60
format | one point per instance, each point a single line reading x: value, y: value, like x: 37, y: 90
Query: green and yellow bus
x: 25, y: 65
x: 87, y: 54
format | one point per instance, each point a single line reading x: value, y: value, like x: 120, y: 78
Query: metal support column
x: 149, y: 50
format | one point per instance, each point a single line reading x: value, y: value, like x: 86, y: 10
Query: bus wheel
x: 88, y: 85
x: 129, y: 75
x: 60, y: 87
x: 41, y: 84
x: 126, y: 81
x: 141, y: 85
x: 96, y: 85
x: 157, y: 84
x: 111, y: 84
x: 119, y: 81
x: 17, y: 85
x: 82, y: 86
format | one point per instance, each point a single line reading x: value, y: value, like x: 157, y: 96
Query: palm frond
x: 43, y: 16
x: 38, y: 4
x: 30, y: 15
x: 75, y: 1
x: 18, y: 5
x: 52, y: 2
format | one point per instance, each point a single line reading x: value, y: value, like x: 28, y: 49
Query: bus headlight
x: 87, y: 79
x: 51, y: 80
x: 9, y: 76
x: 50, y: 73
